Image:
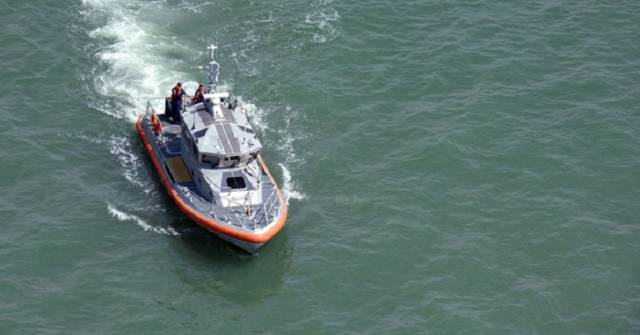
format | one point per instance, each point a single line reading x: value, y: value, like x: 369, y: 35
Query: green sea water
x: 452, y: 167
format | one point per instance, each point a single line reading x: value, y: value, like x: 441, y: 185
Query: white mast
x: 213, y: 69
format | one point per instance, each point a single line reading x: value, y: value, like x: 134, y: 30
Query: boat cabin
x: 219, y: 146
x: 217, y: 136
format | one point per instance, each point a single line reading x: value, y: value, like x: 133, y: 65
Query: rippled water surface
x: 452, y: 167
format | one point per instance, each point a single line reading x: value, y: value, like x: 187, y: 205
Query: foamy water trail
x: 132, y: 71
x: 256, y: 115
x: 289, y: 136
x: 120, y: 147
x: 288, y: 187
x: 122, y: 216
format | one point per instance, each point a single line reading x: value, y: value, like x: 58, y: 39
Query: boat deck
x: 172, y: 133
x: 170, y: 147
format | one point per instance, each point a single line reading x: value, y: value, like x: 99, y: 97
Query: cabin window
x: 247, y: 130
x: 234, y: 160
x: 236, y: 182
x: 209, y: 159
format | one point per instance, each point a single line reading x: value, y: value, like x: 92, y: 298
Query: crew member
x: 176, y: 100
x: 198, y: 96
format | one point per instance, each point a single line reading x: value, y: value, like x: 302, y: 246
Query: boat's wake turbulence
x: 136, y: 60
x: 122, y: 216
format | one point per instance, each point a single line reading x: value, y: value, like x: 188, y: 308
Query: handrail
x: 242, y: 219
x: 267, y: 206
x: 269, y: 203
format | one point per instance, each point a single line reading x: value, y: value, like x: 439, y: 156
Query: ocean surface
x: 452, y: 167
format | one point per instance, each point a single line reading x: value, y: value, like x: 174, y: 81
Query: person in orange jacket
x: 176, y: 100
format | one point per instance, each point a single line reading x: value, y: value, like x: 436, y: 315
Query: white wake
x: 133, y: 69
x: 134, y: 66
x: 122, y: 216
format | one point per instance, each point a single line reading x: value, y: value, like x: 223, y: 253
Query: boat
x: 209, y: 161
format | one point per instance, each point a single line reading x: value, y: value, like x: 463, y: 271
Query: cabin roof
x: 223, y: 131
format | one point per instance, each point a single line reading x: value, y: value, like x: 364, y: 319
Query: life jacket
x: 155, y: 123
x: 198, y: 96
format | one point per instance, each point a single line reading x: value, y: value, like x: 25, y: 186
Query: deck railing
x: 246, y: 216
x: 267, y: 207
